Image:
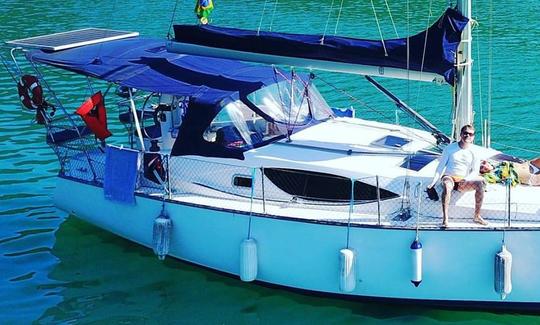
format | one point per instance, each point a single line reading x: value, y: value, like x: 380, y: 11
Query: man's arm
x: 474, y: 170
x: 440, y: 168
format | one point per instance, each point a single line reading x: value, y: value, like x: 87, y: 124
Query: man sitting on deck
x: 459, y: 166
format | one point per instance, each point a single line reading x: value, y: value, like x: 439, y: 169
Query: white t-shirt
x: 456, y: 161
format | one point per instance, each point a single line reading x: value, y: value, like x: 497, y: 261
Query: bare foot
x: 445, y: 224
x: 480, y: 220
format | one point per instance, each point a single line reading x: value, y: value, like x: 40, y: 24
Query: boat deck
x: 339, y: 215
x: 396, y: 213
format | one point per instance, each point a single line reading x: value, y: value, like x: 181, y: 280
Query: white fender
x: 248, y: 260
x: 347, y: 270
x: 416, y: 258
x: 161, y: 236
x: 503, y: 272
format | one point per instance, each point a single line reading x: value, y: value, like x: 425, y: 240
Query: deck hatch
x: 417, y: 162
x: 392, y: 141
x: 71, y: 39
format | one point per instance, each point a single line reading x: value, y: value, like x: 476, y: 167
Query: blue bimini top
x: 145, y: 64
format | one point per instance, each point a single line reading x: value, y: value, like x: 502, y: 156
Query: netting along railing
x: 374, y: 200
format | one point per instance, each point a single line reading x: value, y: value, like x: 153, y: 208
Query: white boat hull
x: 458, y: 264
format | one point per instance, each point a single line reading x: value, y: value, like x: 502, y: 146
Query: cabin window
x: 323, y: 187
x: 291, y: 103
x: 242, y: 181
x: 236, y: 125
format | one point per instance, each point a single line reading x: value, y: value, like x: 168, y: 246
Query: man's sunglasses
x: 470, y: 134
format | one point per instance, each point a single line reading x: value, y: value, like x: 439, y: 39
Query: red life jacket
x: 94, y: 115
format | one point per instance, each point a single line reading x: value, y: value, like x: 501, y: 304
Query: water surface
x: 56, y: 268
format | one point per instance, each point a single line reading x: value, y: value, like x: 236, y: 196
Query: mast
x: 463, y: 109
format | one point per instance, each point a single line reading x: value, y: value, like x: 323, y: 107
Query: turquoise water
x: 58, y: 269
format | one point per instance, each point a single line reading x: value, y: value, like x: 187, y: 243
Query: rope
x: 253, y: 173
x: 172, y: 19
x: 379, y: 28
x: 327, y: 21
x: 392, y: 18
x: 351, y: 208
x: 338, y: 17
x: 262, y: 16
x: 273, y: 14
x: 419, y: 195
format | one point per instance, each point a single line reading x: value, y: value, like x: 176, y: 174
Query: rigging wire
x: 516, y: 127
x: 490, y: 74
x: 172, y: 20
x: 354, y: 99
x: 105, y: 31
x: 391, y: 18
x: 517, y: 148
x: 273, y: 14
x: 408, y: 53
x: 327, y: 21
x: 430, y: 14
x: 480, y: 93
x: 338, y: 17
x: 262, y: 16
x: 379, y: 28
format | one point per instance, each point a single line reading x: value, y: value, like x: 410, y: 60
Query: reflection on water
x: 57, y: 269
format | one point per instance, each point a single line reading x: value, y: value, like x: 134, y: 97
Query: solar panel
x: 71, y: 39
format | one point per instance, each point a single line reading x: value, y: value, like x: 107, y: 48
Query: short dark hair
x: 465, y: 127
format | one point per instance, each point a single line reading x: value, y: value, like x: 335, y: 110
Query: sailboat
x: 245, y: 169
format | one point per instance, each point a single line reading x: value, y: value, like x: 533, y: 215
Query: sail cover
x: 441, y: 42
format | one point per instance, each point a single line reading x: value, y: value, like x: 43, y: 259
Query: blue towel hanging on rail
x: 121, y: 167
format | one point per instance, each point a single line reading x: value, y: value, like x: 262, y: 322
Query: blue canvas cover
x: 145, y: 64
x: 443, y: 38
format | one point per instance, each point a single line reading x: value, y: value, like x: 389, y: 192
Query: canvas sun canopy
x: 145, y: 64
x: 440, y: 41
